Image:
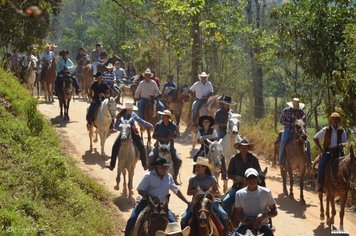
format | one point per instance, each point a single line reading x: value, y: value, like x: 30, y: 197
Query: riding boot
x: 141, y: 148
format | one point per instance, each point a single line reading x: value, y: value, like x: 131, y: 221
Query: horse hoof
x: 322, y: 217
x: 285, y: 192
x: 291, y: 196
x: 116, y: 187
x: 302, y: 202
x: 95, y: 140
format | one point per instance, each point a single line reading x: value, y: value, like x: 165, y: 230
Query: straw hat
x: 203, y: 74
x: 204, y: 162
x: 148, y: 72
x: 243, y: 142
x: 334, y: 115
x: 53, y: 46
x: 129, y: 105
x: 209, y: 118
x: 227, y: 100
x: 174, y: 228
x: 47, y: 46
x: 166, y: 113
x: 296, y: 104
x: 109, y: 66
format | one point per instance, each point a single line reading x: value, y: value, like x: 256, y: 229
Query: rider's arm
x: 143, y: 193
x: 240, y: 216
x: 191, y: 191
x: 141, y: 121
x: 319, y: 135
x: 181, y: 196
x: 232, y: 172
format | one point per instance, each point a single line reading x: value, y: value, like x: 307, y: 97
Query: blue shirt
x: 170, y: 84
x: 163, y: 130
x: 158, y: 187
x: 64, y: 63
x: 134, y: 117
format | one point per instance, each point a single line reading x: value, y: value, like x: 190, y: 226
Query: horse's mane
x: 299, y: 122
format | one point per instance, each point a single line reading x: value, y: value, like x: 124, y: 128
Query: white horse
x: 127, y: 158
x: 164, y: 152
x: 30, y: 76
x: 232, y: 136
x: 106, y: 111
x: 214, y: 156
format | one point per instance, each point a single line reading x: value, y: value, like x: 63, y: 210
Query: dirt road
x: 293, y: 219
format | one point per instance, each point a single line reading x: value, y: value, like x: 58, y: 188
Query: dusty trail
x: 293, y: 218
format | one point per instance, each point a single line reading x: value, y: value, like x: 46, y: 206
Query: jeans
x: 142, y: 104
x: 264, y: 229
x: 138, y: 143
x: 229, y: 200
x: 286, y: 136
x: 58, y: 84
x: 196, y: 107
x: 91, y: 111
x: 95, y: 67
x: 141, y: 205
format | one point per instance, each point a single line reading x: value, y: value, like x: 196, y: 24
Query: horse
x: 164, y: 152
x: 232, y: 136
x: 202, y: 223
x: 214, y: 156
x: 208, y: 108
x: 150, y: 115
x: 30, y: 76
x: 253, y: 227
x: 127, y: 158
x: 153, y: 218
x: 135, y: 81
x: 339, y: 178
x: 174, y: 99
x: 102, y: 121
x: 86, y: 79
x: 65, y: 96
x: 48, y: 80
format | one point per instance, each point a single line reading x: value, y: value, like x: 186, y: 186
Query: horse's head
x: 215, y: 153
x: 202, y: 207
x: 262, y: 177
x: 158, y: 214
x: 125, y: 130
x: 233, y: 124
x: 164, y: 151
x: 299, y: 130
x: 352, y: 168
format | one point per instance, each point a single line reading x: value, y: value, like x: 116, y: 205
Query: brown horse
x: 295, y: 159
x: 339, y: 178
x: 30, y: 76
x: 150, y: 115
x: 86, y: 80
x: 48, y: 80
x: 153, y: 218
x: 202, y: 223
x: 64, y: 96
x: 174, y: 101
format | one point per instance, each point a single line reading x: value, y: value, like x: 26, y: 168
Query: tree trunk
x: 317, y: 128
x: 196, y: 47
x: 275, y: 113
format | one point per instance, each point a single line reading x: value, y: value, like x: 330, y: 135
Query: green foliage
x: 42, y: 192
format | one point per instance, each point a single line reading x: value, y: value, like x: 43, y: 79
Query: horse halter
x: 300, y: 132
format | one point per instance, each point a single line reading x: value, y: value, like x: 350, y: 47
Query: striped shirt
x: 109, y: 78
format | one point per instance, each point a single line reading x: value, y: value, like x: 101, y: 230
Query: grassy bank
x: 41, y: 190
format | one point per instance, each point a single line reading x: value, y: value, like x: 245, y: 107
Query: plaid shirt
x: 289, y: 116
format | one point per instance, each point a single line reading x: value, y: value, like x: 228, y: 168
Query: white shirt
x: 333, y: 142
x: 211, y: 136
x: 254, y: 202
x: 201, y: 89
x: 146, y: 89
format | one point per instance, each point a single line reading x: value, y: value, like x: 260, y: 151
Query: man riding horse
x: 46, y: 58
x: 165, y: 132
x: 147, y: 89
x: 222, y: 115
x: 332, y: 148
x: 203, y: 89
x: 25, y: 60
x: 289, y: 115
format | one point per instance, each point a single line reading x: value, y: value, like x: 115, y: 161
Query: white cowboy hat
x: 296, y: 103
x: 129, y: 105
x: 166, y: 113
x: 109, y: 66
x: 204, y: 162
x: 173, y: 228
x: 203, y: 74
x: 148, y: 72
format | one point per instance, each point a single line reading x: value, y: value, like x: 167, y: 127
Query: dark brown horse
x: 202, y: 223
x: 153, y: 218
x: 64, y: 96
x: 150, y: 115
x: 174, y: 99
x: 339, y: 178
x: 295, y: 159
x: 48, y: 80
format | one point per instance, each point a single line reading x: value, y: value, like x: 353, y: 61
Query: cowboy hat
x: 161, y: 162
x: 296, y: 103
x: 129, y: 105
x: 243, y: 142
x: 209, y: 118
x: 98, y: 74
x: 61, y: 53
x: 47, y: 46
x: 173, y: 228
x: 335, y: 115
x: 166, y: 113
x: 109, y: 66
x: 204, y: 162
x: 227, y: 100
x: 147, y: 72
x: 251, y: 171
x: 203, y: 74
x: 53, y: 46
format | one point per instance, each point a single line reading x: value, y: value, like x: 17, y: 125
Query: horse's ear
x: 265, y: 171
x: 210, y: 142
x: 220, y: 141
x: 151, y: 201
x: 169, y: 146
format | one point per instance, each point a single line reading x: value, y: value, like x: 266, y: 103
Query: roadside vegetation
x: 42, y: 192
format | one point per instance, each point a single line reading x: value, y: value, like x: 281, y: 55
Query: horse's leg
x: 333, y: 210
x: 342, y: 210
x: 291, y: 182
x: 130, y: 184
x: 67, y: 109
x: 118, y: 176
x: 327, y: 210
x: 194, y: 137
x: 148, y: 137
x: 124, y: 190
x: 96, y: 136
x: 301, y: 185
x: 284, y: 178
x: 322, y: 215
x: 51, y: 91
x: 103, y: 136
x: 90, y: 129
x: 60, y: 106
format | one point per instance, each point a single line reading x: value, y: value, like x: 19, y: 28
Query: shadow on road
x: 123, y: 203
x: 93, y: 157
x: 60, y: 122
x: 321, y: 230
x: 291, y: 206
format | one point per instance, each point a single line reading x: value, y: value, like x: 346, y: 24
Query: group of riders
x: 245, y: 198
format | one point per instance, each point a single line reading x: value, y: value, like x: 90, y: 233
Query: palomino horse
x: 202, y: 223
x: 214, y: 156
x: 127, y: 158
x: 48, y: 80
x: 208, y: 108
x: 86, y: 79
x: 65, y: 96
x: 232, y: 136
x: 339, y: 178
x: 174, y: 99
x: 101, y: 124
x: 150, y: 115
x: 295, y: 159
x: 30, y: 76
x: 153, y: 218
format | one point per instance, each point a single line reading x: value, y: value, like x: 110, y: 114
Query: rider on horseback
x: 94, y: 57
x: 63, y: 67
x: 203, y: 89
x: 289, y: 115
x: 99, y: 92
x: 165, y: 132
x: 45, y: 58
x: 81, y: 59
x: 127, y: 113
x: 222, y: 115
x: 145, y: 90
x: 25, y: 60
x: 254, y: 201
x: 334, y: 141
x: 237, y: 167
x: 155, y: 183
x: 203, y: 180
x: 119, y: 72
